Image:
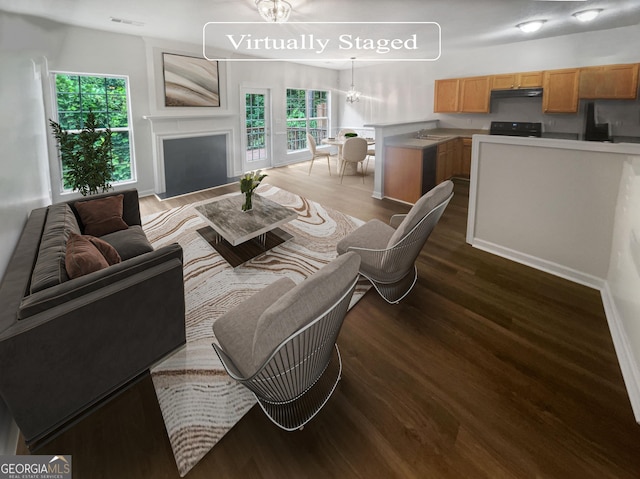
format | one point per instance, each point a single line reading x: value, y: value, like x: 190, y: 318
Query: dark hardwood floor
x: 488, y: 369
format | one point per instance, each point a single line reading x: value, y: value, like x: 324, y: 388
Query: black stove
x: 516, y: 128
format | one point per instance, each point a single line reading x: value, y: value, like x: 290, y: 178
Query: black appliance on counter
x: 516, y: 128
x: 595, y: 131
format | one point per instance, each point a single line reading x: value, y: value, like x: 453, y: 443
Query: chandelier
x: 353, y: 95
x: 275, y: 11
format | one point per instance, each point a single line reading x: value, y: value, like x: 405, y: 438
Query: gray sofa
x: 68, y: 345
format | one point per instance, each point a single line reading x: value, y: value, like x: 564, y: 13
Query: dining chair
x: 389, y: 252
x: 281, y: 342
x: 311, y: 142
x: 353, y: 151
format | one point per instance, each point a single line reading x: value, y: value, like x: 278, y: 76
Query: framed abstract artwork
x: 190, y: 81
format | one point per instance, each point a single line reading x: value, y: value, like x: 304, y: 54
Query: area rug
x: 199, y: 402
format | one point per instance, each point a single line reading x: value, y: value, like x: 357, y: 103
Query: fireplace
x: 190, y: 162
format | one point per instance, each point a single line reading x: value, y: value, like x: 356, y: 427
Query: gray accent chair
x: 389, y: 252
x: 354, y: 151
x: 311, y: 142
x: 280, y: 343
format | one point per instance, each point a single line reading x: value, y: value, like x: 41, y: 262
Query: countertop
x: 578, y: 136
x: 409, y: 140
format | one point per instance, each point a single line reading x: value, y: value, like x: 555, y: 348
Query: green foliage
x: 254, y: 112
x: 250, y: 181
x: 86, y: 156
x: 78, y: 94
x: 306, y: 112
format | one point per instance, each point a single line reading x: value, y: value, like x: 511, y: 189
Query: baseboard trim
x: 540, y: 264
x: 624, y: 352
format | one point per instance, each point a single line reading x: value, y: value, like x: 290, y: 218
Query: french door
x: 257, y: 129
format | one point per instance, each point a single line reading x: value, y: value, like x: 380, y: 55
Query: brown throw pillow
x: 82, y: 257
x: 108, y: 251
x: 102, y: 216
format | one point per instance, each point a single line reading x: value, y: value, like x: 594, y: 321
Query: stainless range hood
x: 517, y: 93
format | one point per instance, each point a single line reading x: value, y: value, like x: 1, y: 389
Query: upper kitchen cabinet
x: 446, y: 96
x: 516, y: 80
x: 614, y: 82
x: 475, y: 94
x: 560, y: 90
x: 462, y: 95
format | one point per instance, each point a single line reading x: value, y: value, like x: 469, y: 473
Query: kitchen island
x: 415, y: 162
x: 403, y: 134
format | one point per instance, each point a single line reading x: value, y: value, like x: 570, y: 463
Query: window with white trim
x: 77, y: 94
x: 307, y: 112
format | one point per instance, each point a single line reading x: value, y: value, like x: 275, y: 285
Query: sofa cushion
x: 49, y: 269
x: 301, y: 305
x: 102, y: 216
x: 235, y: 329
x: 82, y: 257
x: 108, y: 251
x: 420, y: 209
x: 129, y: 243
x: 374, y: 234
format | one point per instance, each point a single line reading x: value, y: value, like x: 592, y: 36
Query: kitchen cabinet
x: 454, y: 159
x: 462, y: 95
x: 449, y: 160
x: 516, y: 80
x: 409, y: 172
x: 614, y: 82
x: 475, y: 94
x: 446, y: 95
x: 560, y: 91
x: 465, y: 169
x: 457, y: 156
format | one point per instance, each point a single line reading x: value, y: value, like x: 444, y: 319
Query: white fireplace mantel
x: 190, y: 116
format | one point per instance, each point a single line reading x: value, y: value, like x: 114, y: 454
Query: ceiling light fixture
x: 530, y: 27
x: 353, y: 95
x: 587, y: 15
x: 274, y: 11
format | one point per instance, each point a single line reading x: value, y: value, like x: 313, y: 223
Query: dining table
x: 351, y: 168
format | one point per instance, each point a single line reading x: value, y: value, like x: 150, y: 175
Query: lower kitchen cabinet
x: 465, y: 169
x: 409, y: 172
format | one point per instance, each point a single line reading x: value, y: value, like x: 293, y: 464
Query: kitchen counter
x: 577, y: 136
x: 458, y: 132
x: 409, y: 140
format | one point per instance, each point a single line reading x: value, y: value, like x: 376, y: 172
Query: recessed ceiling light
x: 587, y: 15
x: 530, y: 27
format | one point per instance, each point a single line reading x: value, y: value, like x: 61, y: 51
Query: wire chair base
x: 395, y: 292
x: 293, y: 415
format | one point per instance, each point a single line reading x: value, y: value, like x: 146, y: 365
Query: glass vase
x: 247, y: 205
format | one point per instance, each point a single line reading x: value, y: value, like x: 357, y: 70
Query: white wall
x: 24, y: 171
x: 394, y: 92
x: 547, y: 203
x: 622, y: 293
